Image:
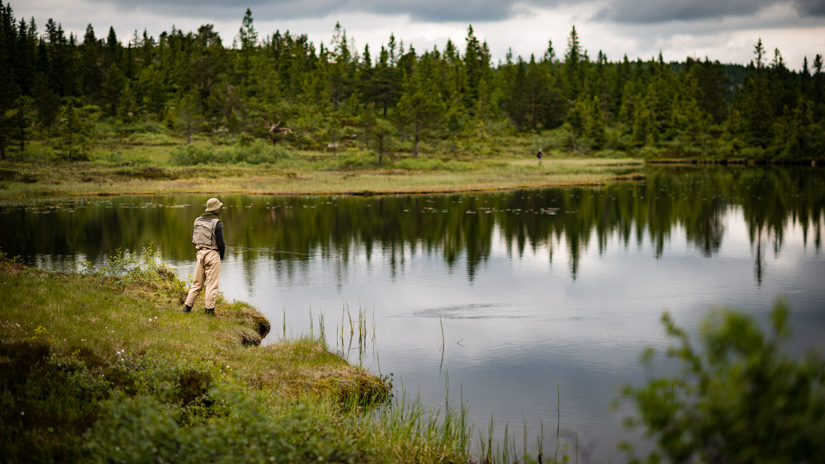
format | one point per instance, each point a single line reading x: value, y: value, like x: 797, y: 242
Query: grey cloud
x: 420, y: 10
x: 811, y: 7
x: 659, y: 11
x: 468, y: 11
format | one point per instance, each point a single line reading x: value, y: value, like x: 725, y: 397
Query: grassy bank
x: 25, y: 180
x: 103, y: 367
x: 148, y: 165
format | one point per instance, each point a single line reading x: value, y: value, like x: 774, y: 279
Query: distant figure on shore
x: 539, y: 155
x: 207, y: 236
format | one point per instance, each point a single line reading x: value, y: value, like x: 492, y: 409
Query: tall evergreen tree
x: 420, y: 107
x: 112, y: 88
x: 24, y: 63
x: 92, y: 62
x: 573, y: 67
x: 476, y: 64
x: 595, y: 129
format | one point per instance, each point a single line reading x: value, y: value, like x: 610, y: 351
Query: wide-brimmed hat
x: 213, y: 204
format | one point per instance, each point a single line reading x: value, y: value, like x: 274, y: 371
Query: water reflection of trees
x: 290, y: 230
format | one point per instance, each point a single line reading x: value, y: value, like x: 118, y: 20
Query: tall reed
x: 416, y: 432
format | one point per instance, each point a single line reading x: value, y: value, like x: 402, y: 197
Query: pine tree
x: 75, y: 133
x: 689, y: 121
x: 713, y: 87
x: 420, y: 107
x: 455, y: 74
x: 24, y: 66
x: 595, y: 124
x: 515, y: 103
x: 818, y: 89
x: 642, y: 124
x: 382, y: 133
x: 759, y: 52
x: 577, y: 117
x: 573, y: 67
x: 9, y: 90
x: 249, y: 42
x: 92, y: 61
x: 477, y: 66
x: 340, y: 69
x: 247, y: 33
x: 535, y: 94
x: 112, y: 88
x: 46, y: 101
x: 152, y: 87
x: 188, y: 112
x: 387, y: 82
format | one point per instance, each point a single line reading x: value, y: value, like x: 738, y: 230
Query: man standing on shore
x: 207, y: 236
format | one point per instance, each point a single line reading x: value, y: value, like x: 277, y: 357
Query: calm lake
x: 531, y: 306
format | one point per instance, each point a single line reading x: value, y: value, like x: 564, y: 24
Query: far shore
x: 22, y: 180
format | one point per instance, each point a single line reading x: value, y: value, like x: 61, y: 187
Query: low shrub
x: 740, y: 398
x: 431, y: 164
x: 257, y: 152
x: 47, y: 402
x: 356, y: 160
x: 246, y: 430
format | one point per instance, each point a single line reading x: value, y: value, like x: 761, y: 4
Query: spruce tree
x: 91, y: 63
x: 420, y: 107
x: 596, y: 131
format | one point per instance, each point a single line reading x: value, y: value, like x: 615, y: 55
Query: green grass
x: 135, y: 308
x: 304, y: 173
x: 100, y: 365
x: 148, y: 159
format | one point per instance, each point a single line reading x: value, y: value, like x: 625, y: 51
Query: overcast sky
x: 724, y: 30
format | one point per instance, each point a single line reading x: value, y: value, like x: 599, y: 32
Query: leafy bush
x: 739, y: 399
x: 243, y: 427
x: 257, y: 152
x: 356, y: 160
x: 46, y: 402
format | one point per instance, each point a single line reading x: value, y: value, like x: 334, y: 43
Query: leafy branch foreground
x: 740, y: 399
x: 101, y: 367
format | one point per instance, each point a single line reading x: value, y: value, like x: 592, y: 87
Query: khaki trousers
x: 208, y: 273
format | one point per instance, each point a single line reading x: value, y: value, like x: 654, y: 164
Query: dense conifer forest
x: 288, y: 91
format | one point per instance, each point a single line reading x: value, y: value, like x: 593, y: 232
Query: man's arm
x: 219, y: 238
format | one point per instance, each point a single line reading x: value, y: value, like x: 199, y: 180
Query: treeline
x: 284, y: 89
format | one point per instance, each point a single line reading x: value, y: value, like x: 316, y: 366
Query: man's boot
x: 210, y: 311
x: 186, y: 309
